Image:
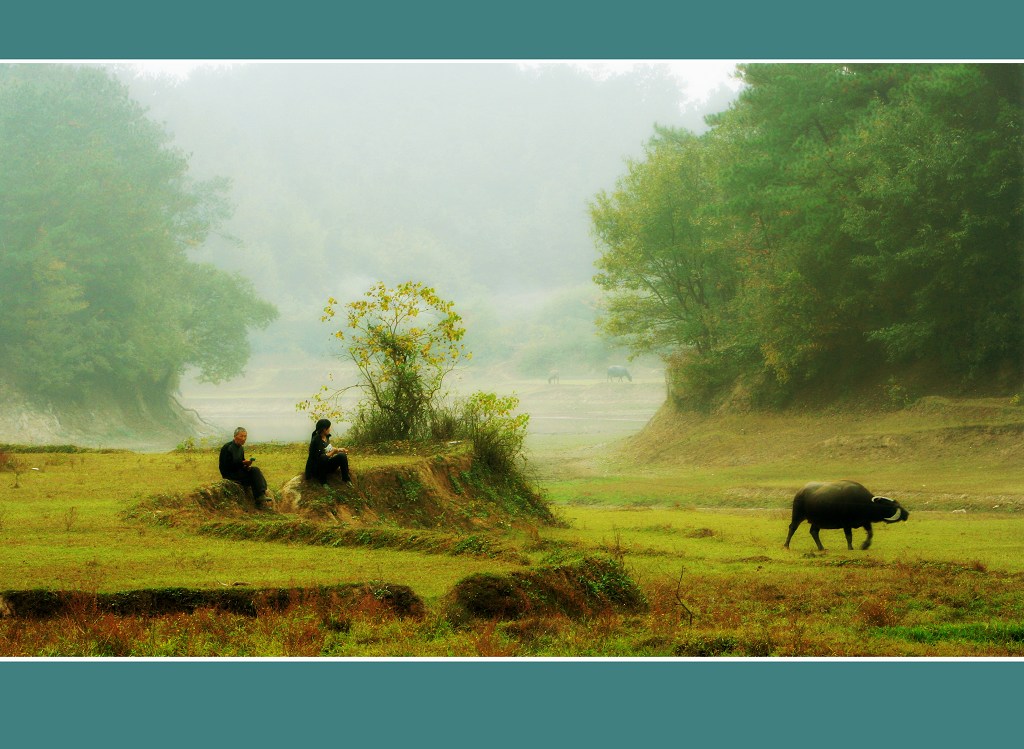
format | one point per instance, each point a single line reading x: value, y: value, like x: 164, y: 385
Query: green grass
x: 63, y: 529
x: 938, y: 456
x: 699, y: 528
x: 968, y: 633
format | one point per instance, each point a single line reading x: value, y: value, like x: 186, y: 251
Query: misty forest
x: 156, y: 229
x: 828, y: 230
x: 584, y: 331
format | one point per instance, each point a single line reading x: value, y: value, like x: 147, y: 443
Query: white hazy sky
x: 696, y: 78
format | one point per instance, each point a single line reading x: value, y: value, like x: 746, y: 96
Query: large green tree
x: 858, y: 223
x: 886, y: 204
x: 99, y: 218
x: 666, y: 262
x: 940, y: 210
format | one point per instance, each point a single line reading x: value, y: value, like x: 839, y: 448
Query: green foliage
x: 190, y: 447
x: 498, y: 433
x: 852, y: 221
x: 98, y: 219
x: 66, y: 449
x: 403, y: 341
x: 896, y: 394
x: 666, y: 267
x: 402, y: 363
x: 511, y: 492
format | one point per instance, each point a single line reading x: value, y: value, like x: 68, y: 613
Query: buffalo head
x: 894, y: 511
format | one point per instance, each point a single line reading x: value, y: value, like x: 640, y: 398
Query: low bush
x: 496, y: 431
x: 588, y: 586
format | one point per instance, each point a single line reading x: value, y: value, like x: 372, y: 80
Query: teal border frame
x: 528, y: 29
x: 621, y: 703
x: 527, y: 702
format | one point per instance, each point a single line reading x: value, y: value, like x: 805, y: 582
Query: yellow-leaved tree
x: 403, y: 341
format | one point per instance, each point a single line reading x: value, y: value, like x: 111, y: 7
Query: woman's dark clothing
x: 231, y: 467
x: 319, y: 466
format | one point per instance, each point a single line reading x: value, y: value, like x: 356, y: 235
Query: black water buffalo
x: 842, y: 504
x: 617, y: 373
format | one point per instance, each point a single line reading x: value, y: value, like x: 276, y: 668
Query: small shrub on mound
x: 495, y: 430
x: 585, y: 587
x: 486, y: 595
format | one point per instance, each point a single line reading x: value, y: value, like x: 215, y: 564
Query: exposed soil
x: 397, y: 600
x: 103, y: 422
x: 932, y: 428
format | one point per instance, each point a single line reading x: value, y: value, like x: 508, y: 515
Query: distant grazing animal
x: 842, y: 504
x: 617, y: 373
x: 553, y: 377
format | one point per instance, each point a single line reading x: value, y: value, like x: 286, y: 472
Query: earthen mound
x: 222, y: 499
x: 448, y: 491
x: 585, y: 587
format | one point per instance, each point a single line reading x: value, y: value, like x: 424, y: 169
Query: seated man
x: 235, y: 467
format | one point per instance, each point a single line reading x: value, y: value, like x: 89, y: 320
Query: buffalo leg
x: 867, y: 541
x: 814, y: 534
x: 848, y: 532
x: 792, y: 530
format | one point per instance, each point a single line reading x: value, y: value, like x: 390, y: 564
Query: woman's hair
x: 322, y: 425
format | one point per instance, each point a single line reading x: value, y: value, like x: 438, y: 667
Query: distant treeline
x: 841, y: 230
x: 470, y: 177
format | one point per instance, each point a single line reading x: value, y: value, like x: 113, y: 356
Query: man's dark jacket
x: 231, y: 457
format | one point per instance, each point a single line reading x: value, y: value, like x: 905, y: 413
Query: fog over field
x: 473, y: 178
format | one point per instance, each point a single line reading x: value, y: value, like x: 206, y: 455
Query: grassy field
x: 694, y: 508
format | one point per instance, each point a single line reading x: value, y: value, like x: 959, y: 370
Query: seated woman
x: 324, y: 459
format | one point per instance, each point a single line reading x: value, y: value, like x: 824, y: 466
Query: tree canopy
x: 98, y: 219
x: 403, y: 341
x: 666, y: 271
x: 855, y: 223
